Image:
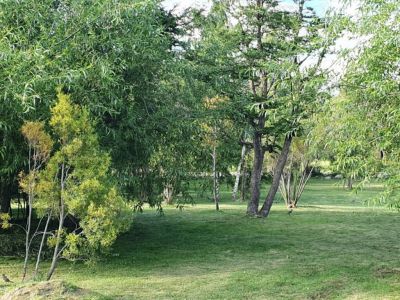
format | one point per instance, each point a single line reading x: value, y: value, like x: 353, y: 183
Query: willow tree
x: 12, y: 152
x: 338, y: 136
x: 371, y: 85
x: 114, y: 57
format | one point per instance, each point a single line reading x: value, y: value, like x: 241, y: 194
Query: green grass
x: 332, y: 247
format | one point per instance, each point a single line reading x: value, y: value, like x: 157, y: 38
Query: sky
x: 320, y: 6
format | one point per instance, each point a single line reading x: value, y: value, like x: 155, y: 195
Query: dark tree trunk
x: 252, y: 207
x: 5, y: 197
x: 276, y: 178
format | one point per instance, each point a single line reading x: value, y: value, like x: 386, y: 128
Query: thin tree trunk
x: 303, y: 184
x: 276, y: 178
x: 29, y: 217
x: 42, y: 244
x: 215, y: 179
x: 252, y: 207
x: 244, y: 183
x: 60, y: 226
x: 55, y: 253
x: 27, y: 234
x: 289, y: 182
x: 350, y: 183
x: 282, y: 189
x: 238, y: 172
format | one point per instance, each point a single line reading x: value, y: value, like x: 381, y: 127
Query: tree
x: 113, y: 57
x: 40, y: 145
x: 296, y: 173
x: 338, y: 135
x: 75, y: 185
x: 277, y: 57
x: 214, y: 127
x: 238, y: 172
x: 12, y: 152
x: 303, y: 83
x: 371, y: 87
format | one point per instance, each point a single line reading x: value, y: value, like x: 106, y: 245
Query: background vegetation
x: 117, y: 116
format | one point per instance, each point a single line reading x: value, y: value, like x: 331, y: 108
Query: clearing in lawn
x: 332, y: 246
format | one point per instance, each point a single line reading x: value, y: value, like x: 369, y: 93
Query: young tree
x: 296, y: 173
x: 75, y: 184
x: 213, y: 130
x: 40, y: 146
x: 300, y: 92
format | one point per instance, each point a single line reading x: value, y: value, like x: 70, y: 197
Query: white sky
x: 182, y: 4
x: 320, y: 6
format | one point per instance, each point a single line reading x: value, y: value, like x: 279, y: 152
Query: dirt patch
x: 48, y: 290
x: 328, y: 290
x: 384, y: 272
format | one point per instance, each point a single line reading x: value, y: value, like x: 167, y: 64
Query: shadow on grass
x: 312, y: 253
x: 209, y: 240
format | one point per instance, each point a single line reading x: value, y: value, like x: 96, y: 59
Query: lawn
x: 332, y: 247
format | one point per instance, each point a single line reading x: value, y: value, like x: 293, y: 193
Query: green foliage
x: 339, y: 135
x: 37, y: 139
x: 113, y: 57
x: 40, y: 146
x: 259, y: 55
x: 371, y: 82
x: 5, y: 221
x: 76, y: 181
x: 267, y: 60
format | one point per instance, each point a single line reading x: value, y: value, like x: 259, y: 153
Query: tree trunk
x: 252, y: 207
x: 60, y: 226
x: 276, y: 178
x: 39, y: 255
x: 58, y: 241
x: 168, y: 193
x: 5, y: 198
x: 350, y: 183
x: 236, y: 186
x: 215, y: 179
x: 244, y: 183
x: 27, y: 236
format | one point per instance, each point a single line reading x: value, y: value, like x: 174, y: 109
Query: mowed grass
x: 332, y: 247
